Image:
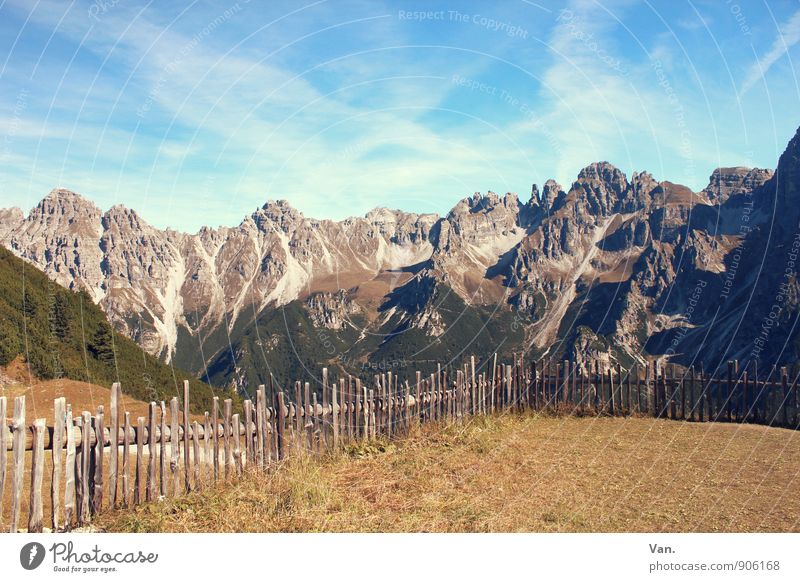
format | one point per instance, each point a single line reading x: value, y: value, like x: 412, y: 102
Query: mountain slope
x: 63, y: 334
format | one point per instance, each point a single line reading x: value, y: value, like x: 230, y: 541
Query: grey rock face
x: 604, y: 269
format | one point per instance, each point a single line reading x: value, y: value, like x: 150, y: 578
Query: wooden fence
x: 107, y: 460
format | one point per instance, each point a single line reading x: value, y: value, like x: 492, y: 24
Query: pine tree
x: 59, y: 317
x: 101, y: 345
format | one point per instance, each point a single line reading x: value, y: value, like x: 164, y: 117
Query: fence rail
x: 99, y: 461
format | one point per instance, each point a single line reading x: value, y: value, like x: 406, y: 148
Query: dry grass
x: 529, y: 473
x: 81, y: 395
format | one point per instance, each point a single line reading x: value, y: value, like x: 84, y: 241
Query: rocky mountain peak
x: 643, y: 183
x: 66, y: 202
x: 611, y: 176
x: 788, y: 175
x: 381, y: 215
x: 726, y: 182
x: 277, y: 215
x: 123, y: 217
x: 536, y: 196
x: 10, y: 218
x: 550, y: 193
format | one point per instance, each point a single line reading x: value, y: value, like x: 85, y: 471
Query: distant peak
x: 63, y: 193
x: 604, y: 171
x: 61, y: 198
x: 726, y: 182
x: 281, y: 203
x: 382, y: 214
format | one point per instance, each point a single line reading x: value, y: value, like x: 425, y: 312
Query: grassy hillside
x: 513, y: 473
x: 468, y: 330
x: 62, y: 334
x: 286, y: 343
x: 282, y: 342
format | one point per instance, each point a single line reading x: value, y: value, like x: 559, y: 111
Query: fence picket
x: 262, y: 445
x: 137, y: 479
x: 152, y: 455
x: 247, y: 421
x: 162, y: 451
x: 281, y: 420
x: 215, y: 435
x: 226, y: 434
x: 69, y: 478
x: 186, y: 460
x: 98, y: 480
x: 113, y: 462
x: 37, y: 477
x: 126, y: 450
x: 237, y: 444
x: 174, y: 445
x: 18, y: 430
x: 5, y: 438
x: 196, y: 451
x: 59, y: 411
x: 206, y: 442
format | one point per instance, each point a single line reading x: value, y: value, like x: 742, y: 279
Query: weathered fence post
x: 174, y: 445
x: 137, y: 480
x: 316, y: 429
x: 206, y: 443
x: 247, y: 411
x: 69, y: 479
x: 5, y: 437
x: 373, y: 412
x: 186, y: 458
x: 215, y: 435
x: 785, y: 400
x: 237, y: 445
x: 683, y: 395
x: 88, y: 466
x: 335, y: 414
x: 280, y: 419
x: 196, y: 451
x: 35, y: 517
x: 99, y: 449
x: 611, y: 388
x: 162, y: 450
x: 113, y: 461
x: 18, y: 460
x: 226, y: 434
x: 152, y: 459
x: 325, y: 403
x: 298, y: 414
x: 59, y: 411
x: 262, y: 444
x: 126, y: 446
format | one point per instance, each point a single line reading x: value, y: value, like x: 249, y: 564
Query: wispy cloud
x: 788, y: 36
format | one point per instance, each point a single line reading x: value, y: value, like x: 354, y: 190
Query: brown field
x: 528, y: 473
x: 81, y: 395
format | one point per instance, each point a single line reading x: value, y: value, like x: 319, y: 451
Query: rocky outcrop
x: 10, y: 218
x: 331, y: 310
x: 726, y: 182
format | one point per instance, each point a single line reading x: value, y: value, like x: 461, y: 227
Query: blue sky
x: 197, y: 114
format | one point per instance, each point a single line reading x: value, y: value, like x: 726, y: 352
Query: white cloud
x: 788, y: 36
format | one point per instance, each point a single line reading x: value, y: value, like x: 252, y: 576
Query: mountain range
x: 611, y: 268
